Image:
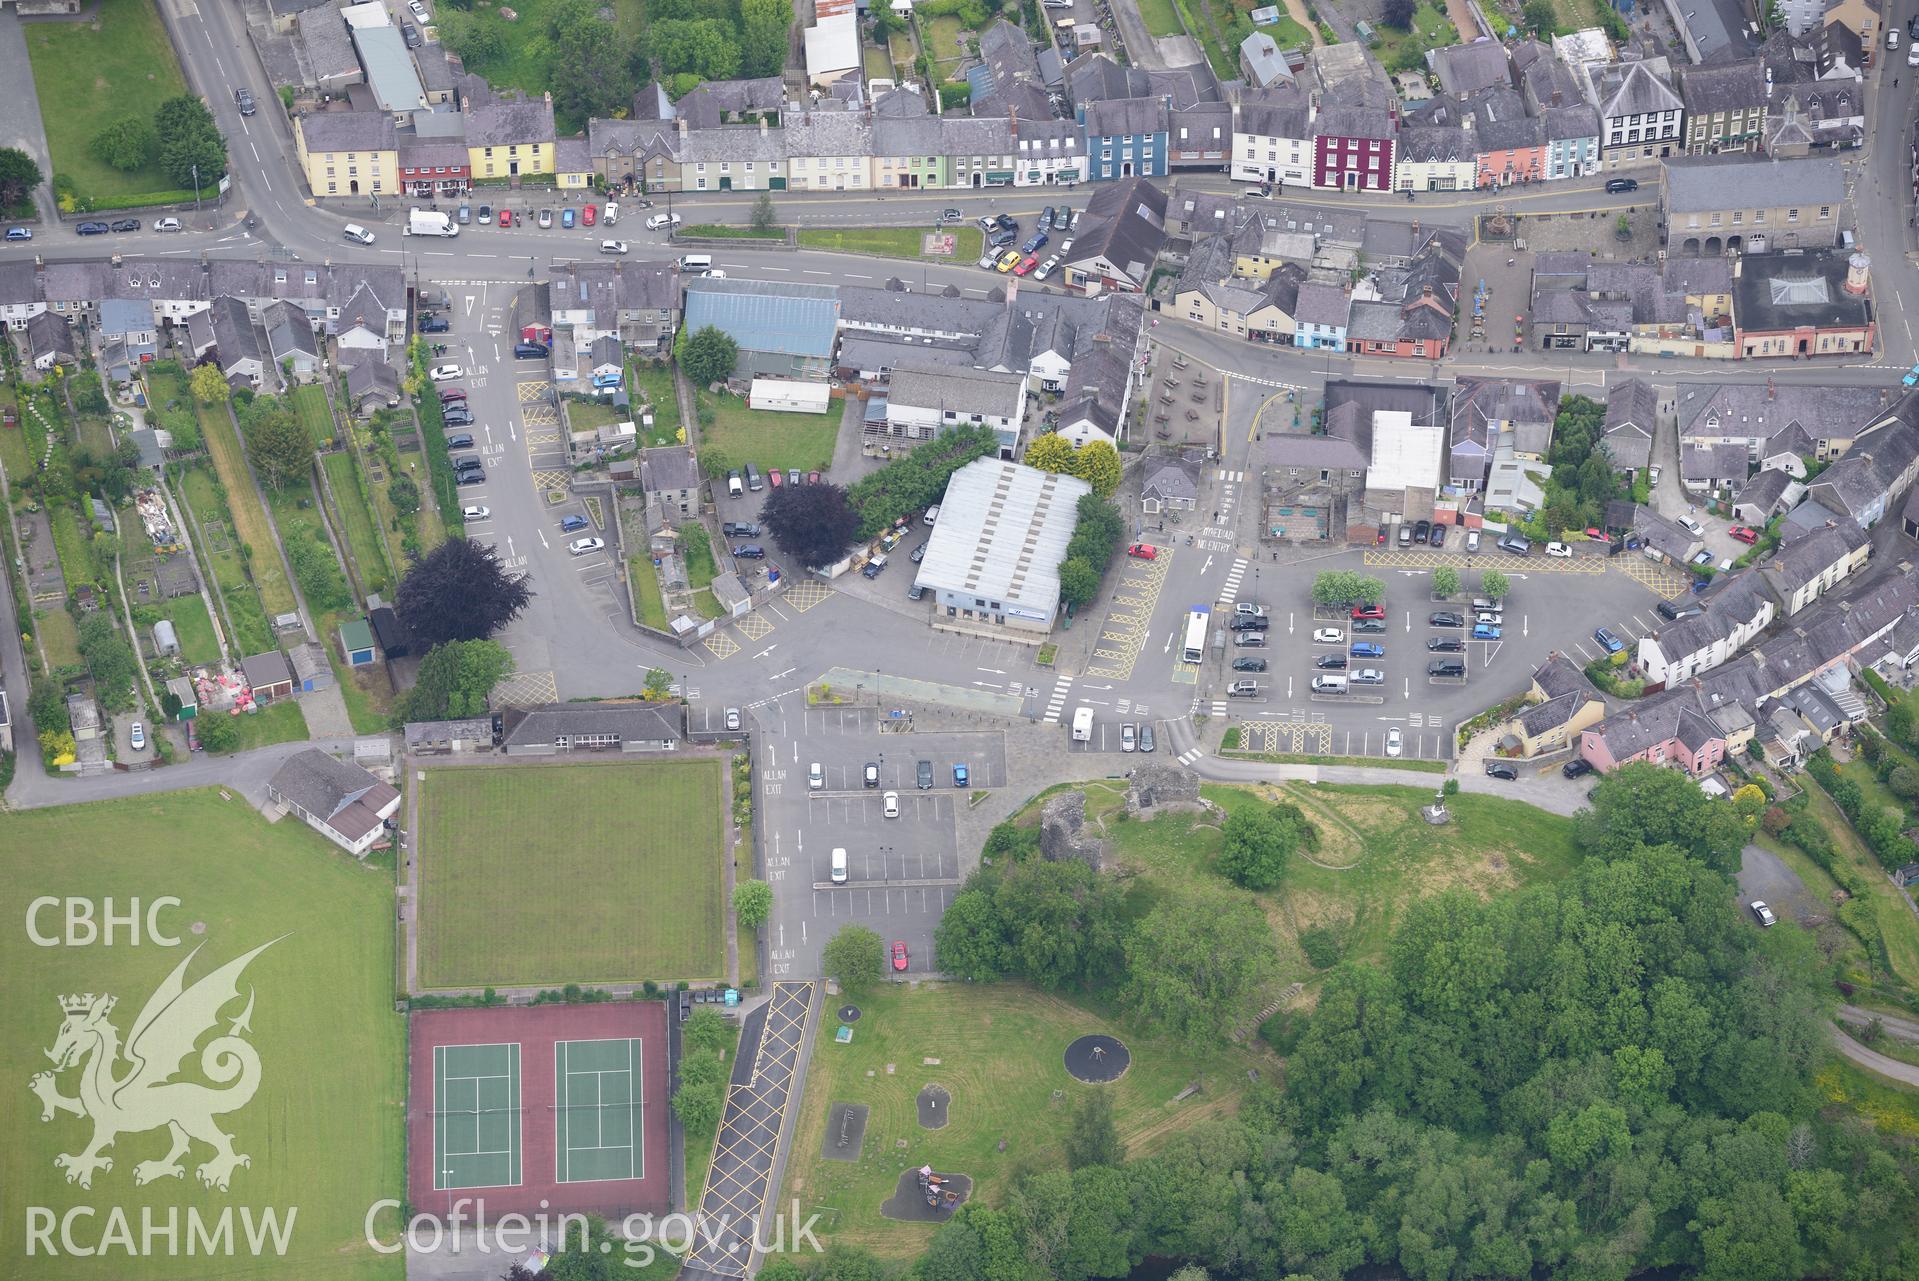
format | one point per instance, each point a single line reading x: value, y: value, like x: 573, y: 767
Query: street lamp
x: 196, y: 187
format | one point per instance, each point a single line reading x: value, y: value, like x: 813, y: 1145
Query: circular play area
x: 1098, y: 1059
x: 934, y: 1102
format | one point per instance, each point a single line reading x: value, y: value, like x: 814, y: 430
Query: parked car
x: 1692, y: 526
x: 1328, y: 636
x: 137, y: 736
x: 1034, y: 242
x: 890, y: 805
x: 448, y: 395
x: 1249, y: 664
x: 1501, y: 769
x: 123, y: 225
x: 90, y: 229
x: 950, y: 214
x: 1143, y: 551
x: 1009, y: 260
x: 464, y: 215
x: 1243, y: 689
x: 733, y: 719
x: 1369, y: 625
x: 740, y: 529
x: 457, y: 416
x: 1046, y: 216
x: 1439, y: 536
x: 434, y: 325
x: 1249, y: 623
x: 1702, y: 558
x: 461, y: 441
x: 1026, y: 265
x: 916, y: 592
x: 1002, y: 238
x: 1560, y: 550
x: 874, y: 568
x: 793, y: 476
x: 1446, y: 618
x: 1744, y: 534
x: 506, y: 218
x: 475, y: 513
x: 1330, y: 662
x: 568, y: 216
x: 1422, y: 531
x: 411, y: 34
x: 589, y: 215
x: 486, y: 215
x: 19, y: 233
x: 1607, y: 641
x: 1393, y: 741
x: 1250, y: 640
x: 1146, y: 743
x: 923, y: 775
x: 899, y: 955
x: 919, y: 554
x: 570, y: 523
x: 1763, y: 914
x: 1485, y: 632
x: 545, y: 219
x: 469, y: 478
x: 1128, y: 737
x: 1046, y: 268
x: 1445, y: 645
x: 1575, y: 767
x: 1248, y: 607
x: 989, y: 259
x: 1368, y: 676
x: 445, y: 373
x: 749, y: 551
x: 1369, y: 611
x: 586, y: 546
x: 530, y: 351
x: 1368, y: 649
x: 870, y: 775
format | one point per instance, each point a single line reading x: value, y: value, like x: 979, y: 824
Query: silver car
x: 1128, y: 737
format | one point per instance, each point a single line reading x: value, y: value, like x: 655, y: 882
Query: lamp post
x: 196, y: 187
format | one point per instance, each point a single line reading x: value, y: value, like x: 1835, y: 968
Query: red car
x: 506, y: 218
x: 812, y: 478
x: 1143, y: 551
x: 1381, y: 540
x: 899, y: 955
x: 1595, y: 533
x: 1370, y: 611
x: 1026, y: 264
x: 775, y: 478
x: 1744, y: 535
x: 590, y: 215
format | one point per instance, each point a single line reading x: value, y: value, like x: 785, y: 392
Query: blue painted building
x: 1126, y: 137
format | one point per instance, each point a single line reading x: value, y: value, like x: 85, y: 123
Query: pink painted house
x: 1668, y: 729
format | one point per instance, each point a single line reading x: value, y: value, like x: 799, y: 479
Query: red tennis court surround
x: 469, y: 1139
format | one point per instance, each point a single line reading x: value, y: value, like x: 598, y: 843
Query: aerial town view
x: 894, y: 640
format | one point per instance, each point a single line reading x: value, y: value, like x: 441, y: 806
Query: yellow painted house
x: 511, y: 137
x: 348, y: 153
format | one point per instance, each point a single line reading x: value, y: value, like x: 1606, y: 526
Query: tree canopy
x: 459, y: 591
x: 19, y: 175
x: 811, y: 524
x: 278, y: 444
x: 854, y: 956
x: 188, y: 137
x: 708, y: 356
x: 1343, y: 588
x: 1257, y: 843
x: 454, y: 681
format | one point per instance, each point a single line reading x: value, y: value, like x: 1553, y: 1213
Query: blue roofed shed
x: 783, y: 330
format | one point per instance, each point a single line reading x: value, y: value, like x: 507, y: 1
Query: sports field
x: 542, y: 875
x: 323, y: 1129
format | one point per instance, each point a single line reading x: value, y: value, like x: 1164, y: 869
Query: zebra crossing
x: 1190, y: 755
x: 1229, y: 590
x: 1057, y: 703
x: 1230, y: 477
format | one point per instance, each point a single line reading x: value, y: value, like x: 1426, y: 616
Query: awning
x: 999, y: 175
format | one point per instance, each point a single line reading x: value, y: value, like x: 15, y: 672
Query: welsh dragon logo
x: 144, y: 1095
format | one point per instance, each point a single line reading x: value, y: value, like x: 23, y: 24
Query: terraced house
x: 1725, y: 106
x: 508, y: 137
x: 348, y: 153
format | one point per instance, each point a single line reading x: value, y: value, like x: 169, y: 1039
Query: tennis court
x: 597, y: 1098
x: 476, y: 1128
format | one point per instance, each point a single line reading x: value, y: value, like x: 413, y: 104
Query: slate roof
x: 1764, y: 490
x: 960, y: 391
x: 1467, y: 68
x: 670, y: 468
x: 1121, y: 117
x: 1321, y: 304
x: 1353, y: 122
x: 1700, y: 184
x: 1500, y: 122
x: 1866, y: 474
x: 1804, y: 559
x: 1719, y: 87
x: 631, y: 722
x: 265, y: 670
x: 1124, y: 223
x: 1559, y: 675
x: 1714, y: 463
x: 1435, y: 144
x: 828, y: 133
x: 289, y: 331
x: 233, y: 332
x: 329, y: 47
x: 327, y: 131
x: 1529, y: 404
x: 508, y: 122
x: 1764, y: 411
x: 343, y: 796
x: 1636, y: 89
x: 1170, y: 478
x: 707, y: 105
x: 1260, y: 56
x: 1278, y: 112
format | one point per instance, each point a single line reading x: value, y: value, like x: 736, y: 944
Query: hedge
x: 439, y: 461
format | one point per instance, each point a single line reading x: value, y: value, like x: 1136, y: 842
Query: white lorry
x: 1083, y: 725
x: 430, y: 222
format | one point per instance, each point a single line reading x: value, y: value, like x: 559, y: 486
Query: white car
x: 586, y: 546
x: 989, y: 259
x: 1912, y: 55
x: 892, y: 804
x: 612, y: 246
x: 166, y: 224
x: 1561, y: 550
x: 417, y: 9
x: 1490, y: 617
x: 1250, y: 608
x: 357, y: 234
x: 1328, y: 636
x: 445, y: 373
x: 1692, y: 526
x: 1367, y: 676
x: 137, y: 736
x: 815, y: 777
x: 1762, y: 913
x: 475, y: 513
x: 1392, y: 741
x: 1654, y: 475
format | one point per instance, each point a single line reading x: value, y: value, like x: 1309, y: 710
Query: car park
x: 1762, y: 913
x: 1249, y: 623
x: 1330, y: 662
x: 1485, y: 631
x: 1501, y: 769
x: 1575, y: 767
x: 923, y: 775
x: 1394, y: 742
x: 1249, y: 664
x: 1607, y: 641
x: 1439, y: 536
x: 733, y: 718
x: 1744, y: 534
x: 1328, y: 636
x: 474, y: 513
x: 1446, y: 618
x: 1146, y: 742
x: 890, y: 805
x: 530, y: 351
x: 815, y: 777
x: 1128, y: 737
x: 462, y: 441
x: 1368, y: 649
x: 586, y: 546
x: 1365, y: 625
x: 434, y: 324
x: 1142, y: 551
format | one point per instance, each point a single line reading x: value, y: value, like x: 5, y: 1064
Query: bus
x: 1195, y: 649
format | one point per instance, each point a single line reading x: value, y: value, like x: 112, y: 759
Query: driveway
x: 1872, y: 1060
x: 20, y: 123
x: 1765, y: 877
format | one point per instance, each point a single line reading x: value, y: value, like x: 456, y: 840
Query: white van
x: 612, y: 214
x: 660, y: 220
x: 1329, y: 684
x: 839, y: 867
x: 734, y: 487
x: 932, y: 516
x: 696, y: 264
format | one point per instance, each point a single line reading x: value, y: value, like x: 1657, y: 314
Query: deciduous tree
x: 763, y: 28
x: 1195, y: 961
x: 1078, y: 583
x: 1257, y: 845
x: 1050, y: 452
x: 752, y: 903
x: 1097, y: 463
x: 19, y: 175
x: 126, y: 144
x: 811, y: 524
x: 1445, y: 581
x: 278, y: 444
x: 1495, y: 585
x: 1093, y: 1138
x: 705, y: 47
x: 853, y: 956
x: 763, y: 211
x: 592, y: 63
x: 459, y: 591
x: 709, y: 356
x: 454, y: 681
x: 208, y: 384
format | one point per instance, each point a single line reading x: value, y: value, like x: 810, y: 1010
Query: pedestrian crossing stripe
x: 1190, y: 755
x: 1057, y: 702
x: 1232, y: 477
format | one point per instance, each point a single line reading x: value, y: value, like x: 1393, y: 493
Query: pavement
x: 20, y: 122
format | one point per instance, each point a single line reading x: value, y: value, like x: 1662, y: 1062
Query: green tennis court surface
x: 476, y: 1123
x: 597, y: 1094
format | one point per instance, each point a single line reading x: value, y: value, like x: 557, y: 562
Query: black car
x: 434, y: 325
x: 1439, y: 536
x: 243, y: 98
x: 1249, y: 623
x: 1046, y: 218
x: 1422, y: 531
x: 468, y: 464
x: 1249, y: 664
x: 1501, y: 769
x: 470, y: 478
x: 740, y: 528
x: 1007, y: 222
x: 461, y: 441
x: 924, y: 775
x: 1330, y: 662
x: 91, y: 229
x: 1446, y: 618
x: 127, y: 224
x: 1620, y: 186
x: 1575, y: 767
x: 749, y: 551
x: 529, y: 351
x: 1369, y: 624
x: 915, y: 592
x: 411, y: 34
x: 1445, y: 645
x: 1673, y: 613
x: 1001, y: 238
x: 919, y: 554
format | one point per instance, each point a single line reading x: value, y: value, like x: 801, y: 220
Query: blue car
x: 960, y: 776
x: 566, y: 217
x: 1485, y: 631
x: 1609, y: 642
x: 1368, y: 649
x: 1033, y: 242
x: 1911, y: 379
x: 570, y: 523
x: 26, y: 233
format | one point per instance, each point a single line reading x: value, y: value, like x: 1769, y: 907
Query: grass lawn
x: 277, y: 722
x: 541, y: 875
x: 367, y: 691
x: 250, y: 631
x: 310, y: 407
x: 879, y: 66
x: 1404, y: 50
x: 729, y: 231
x: 892, y: 242
x: 999, y: 1048
x: 74, y: 542
x: 1890, y: 1109
x: 1896, y: 923
x: 1575, y: 14
x: 1376, y: 855
x: 768, y: 438
x: 92, y: 74
x: 1288, y: 34
x: 590, y: 415
x: 191, y: 627
x: 1160, y: 17
x: 57, y: 631
x: 527, y: 56
x: 14, y: 454
x: 326, y: 1130
x: 95, y: 437
x: 363, y: 540
x: 707, y: 603
x: 943, y: 37
x: 653, y: 381
x: 243, y: 503
x: 701, y: 569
